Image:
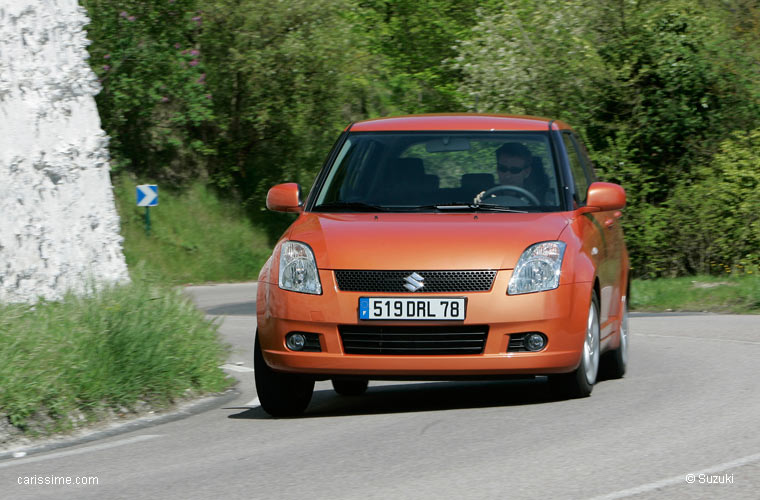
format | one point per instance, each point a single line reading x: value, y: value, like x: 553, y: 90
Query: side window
x: 576, y: 168
x: 343, y: 178
x: 585, y: 159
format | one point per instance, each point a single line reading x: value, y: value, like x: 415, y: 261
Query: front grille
x: 435, y: 281
x: 414, y: 340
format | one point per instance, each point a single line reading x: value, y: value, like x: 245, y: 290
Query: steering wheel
x: 523, y: 193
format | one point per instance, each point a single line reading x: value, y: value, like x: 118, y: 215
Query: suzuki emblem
x: 414, y: 282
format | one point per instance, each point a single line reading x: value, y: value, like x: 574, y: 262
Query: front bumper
x: 560, y: 314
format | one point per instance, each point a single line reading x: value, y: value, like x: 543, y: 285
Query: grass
x: 730, y: 294
x: 131, y: 345
x: 134, y: 346
x: 195, y: 236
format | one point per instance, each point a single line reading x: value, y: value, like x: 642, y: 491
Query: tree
x: 154, y: 98
x: 653, y: 86
x: 416, y: 39
x: 724, y: 194
x: 286, y: 78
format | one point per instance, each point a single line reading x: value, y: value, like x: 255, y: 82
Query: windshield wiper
x: 350, y: 206
x: 358, y: 206
x: 498, y: 208
x: 486, y: 207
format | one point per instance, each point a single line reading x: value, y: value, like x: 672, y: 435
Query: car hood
x: 404, y: 241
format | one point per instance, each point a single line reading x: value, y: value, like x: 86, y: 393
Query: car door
x: 615, y: 242
x: 601, y: 231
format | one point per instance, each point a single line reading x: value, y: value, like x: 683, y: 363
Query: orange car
x: 444, y: 246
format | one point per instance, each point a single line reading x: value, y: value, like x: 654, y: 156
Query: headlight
x: 538, y: 268
x: 298, y: 269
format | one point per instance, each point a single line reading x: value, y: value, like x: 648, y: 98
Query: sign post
x: 147, y: 196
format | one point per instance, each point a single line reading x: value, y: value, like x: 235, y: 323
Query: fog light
x: 534, y: 342
x: 295, y: 341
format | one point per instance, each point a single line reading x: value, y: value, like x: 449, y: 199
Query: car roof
x: 457, y: 122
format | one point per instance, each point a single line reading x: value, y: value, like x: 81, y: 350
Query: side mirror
x: 284, y: 198
x: 605, y: 196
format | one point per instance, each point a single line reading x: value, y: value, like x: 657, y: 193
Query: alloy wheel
x: 591, y: 346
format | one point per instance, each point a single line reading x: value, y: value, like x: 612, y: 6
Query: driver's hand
x: 478, y: 198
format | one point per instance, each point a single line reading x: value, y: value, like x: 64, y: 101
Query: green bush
x: 714, y: 220
x: 121, y: 346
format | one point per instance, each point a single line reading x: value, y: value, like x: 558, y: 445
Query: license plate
x: 408, y: 308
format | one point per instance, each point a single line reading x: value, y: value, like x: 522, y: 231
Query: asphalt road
x: 690, y: 404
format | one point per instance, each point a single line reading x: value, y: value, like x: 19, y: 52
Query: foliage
x: 195, y: 236
x: 416, y: 39
x: 530, y: 58
x: 245, y: 94
x: 122, y: 347
x: 653, y: 86
x: 287, y: 77
x: 724, y: 194
x: 154, y: 96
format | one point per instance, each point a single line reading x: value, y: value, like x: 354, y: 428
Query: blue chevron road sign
x: 147, y: 195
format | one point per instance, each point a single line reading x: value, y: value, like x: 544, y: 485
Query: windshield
x: 439, y: 171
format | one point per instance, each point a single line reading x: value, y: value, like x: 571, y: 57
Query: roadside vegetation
x: 136, y: 347
x: 195, y: 236
x: 738, y: 294
x: 121, y: 350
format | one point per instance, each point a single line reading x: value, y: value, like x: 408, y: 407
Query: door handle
x: 609, y: 223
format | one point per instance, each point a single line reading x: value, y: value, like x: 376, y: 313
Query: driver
x: 513, y: 165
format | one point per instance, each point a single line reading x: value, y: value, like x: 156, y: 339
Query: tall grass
x: 195, y: 237
x: 730, y: 294
x: 121, y: 346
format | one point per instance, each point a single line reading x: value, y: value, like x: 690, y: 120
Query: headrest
x: 477, y: 181
x: 411, y: 167
x: 406, y: 171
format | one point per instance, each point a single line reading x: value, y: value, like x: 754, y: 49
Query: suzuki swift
x: 444, y: 246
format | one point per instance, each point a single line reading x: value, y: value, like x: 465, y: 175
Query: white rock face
x: 59, y: 229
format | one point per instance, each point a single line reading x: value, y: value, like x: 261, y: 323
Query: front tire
x: 280, y: 394
x: 580, y: 383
